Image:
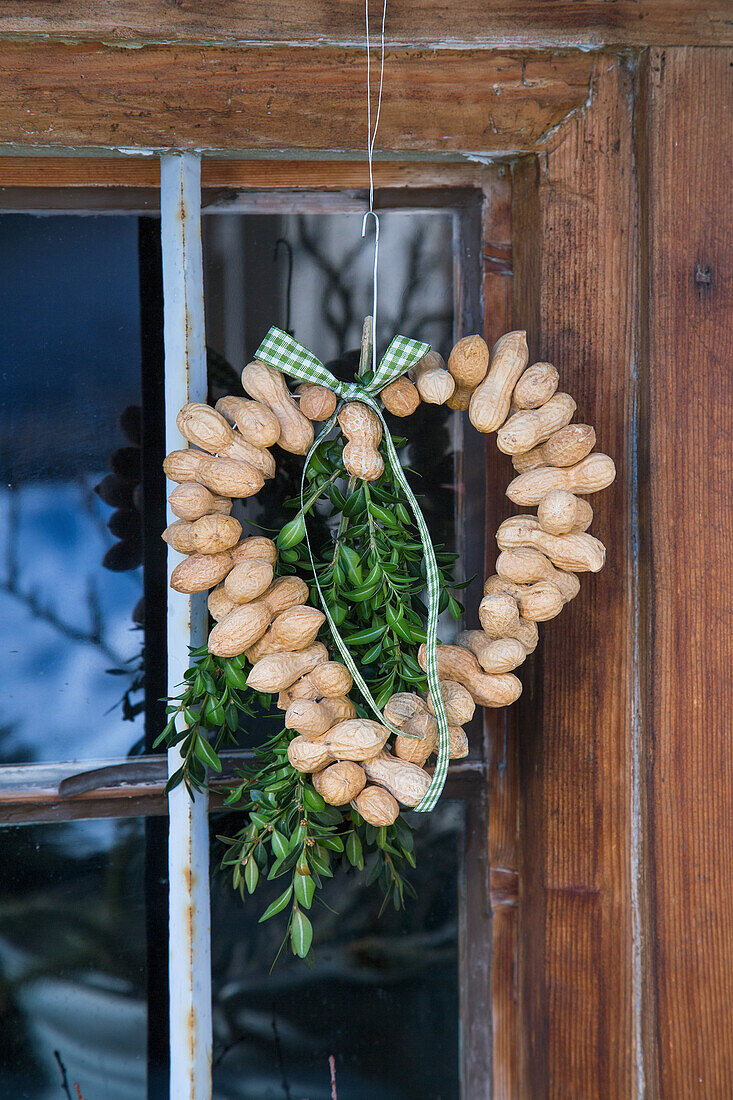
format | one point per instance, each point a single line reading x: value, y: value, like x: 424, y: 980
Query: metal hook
x: 289, y: 284
x: 372, y: 214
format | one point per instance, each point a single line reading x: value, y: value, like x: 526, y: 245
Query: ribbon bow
x: 281, y: 351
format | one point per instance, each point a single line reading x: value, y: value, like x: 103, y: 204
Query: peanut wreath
x: 331, y: 783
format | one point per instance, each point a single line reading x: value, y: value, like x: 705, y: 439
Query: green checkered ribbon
x: 281, y: 351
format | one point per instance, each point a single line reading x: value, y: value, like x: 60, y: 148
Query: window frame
x: 478, y: 197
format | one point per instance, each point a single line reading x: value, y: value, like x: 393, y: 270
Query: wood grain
x: 500, y: 726
x: 447, y: 101
x: 688, y: 517
x: 575, y: 252
x: 341, y: 22
x: 239, y: 175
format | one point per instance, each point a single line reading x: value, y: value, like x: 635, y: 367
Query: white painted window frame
x: 188, y: 852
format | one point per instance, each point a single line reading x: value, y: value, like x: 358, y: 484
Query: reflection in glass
x: 247, y: 290
x: 247, y: 262
x: 72, y: 960
x: 331, y: 285
x: 69, y: 419
x: 382, y: 998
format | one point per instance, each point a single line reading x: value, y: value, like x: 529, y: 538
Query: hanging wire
x: 282, y: 241
x: 371, y: 138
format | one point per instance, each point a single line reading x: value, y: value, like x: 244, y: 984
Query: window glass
x: 71, y: 543
x: 382, y: 998
x: 312, y: 274
x: 73, y: 960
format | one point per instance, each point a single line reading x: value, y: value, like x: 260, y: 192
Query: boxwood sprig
x: 292, y: 834
x: 371, y: 572
x: 206, y: 716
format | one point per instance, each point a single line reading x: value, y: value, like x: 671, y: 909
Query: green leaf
x: 214, y: 713
x: 392, y: 614
x: 174, y: 780
x: 367, y: 636
x: 251, y: 875
x: 279, y: 844
x: 234, y: 677
x: 304, y: 888
x: 301, y: 934
x: 400, y: 629
x: 333, y: 843
x: 455, y: 609
x: 361, y: 595
x: 292, y: 533
x: 355, y: 851
x: 206, y: 754
x: 278, y: 904
x: 371, y: 654
x: 354, y: 504
x: 374, y: 574
x: 235, y: 795
x: 385, y: 693
x: 382, y: 514
x: 339, y: 611
x: 317, y: 464
x: 312, y: 799
x: 403, y: 832
x: 353, y: 563
x: 337, y: 498
x: 321, y: 864
x: 166, y: 733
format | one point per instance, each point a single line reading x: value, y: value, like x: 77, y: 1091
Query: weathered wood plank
x: 575, y: 253
x: 242, y: 174
x: 688, y: 511
x: 500, y: 727
x: 341, y: 22
x: 94, y: 96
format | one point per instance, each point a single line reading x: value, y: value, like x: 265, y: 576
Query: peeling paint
x: 188, y: 858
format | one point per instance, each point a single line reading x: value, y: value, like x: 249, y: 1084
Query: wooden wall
x: 625, y: 947
x: 611, y: 825
x: 440, y: 23
x: 575, y: 224
x: 686, y: 628
x: 224, y: 99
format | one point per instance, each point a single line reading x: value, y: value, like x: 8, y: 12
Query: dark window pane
x: 313, y: 273
x: 382, y: 998
x: 73, y: 960
x: 70, y: 576
x: 325, y: 302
